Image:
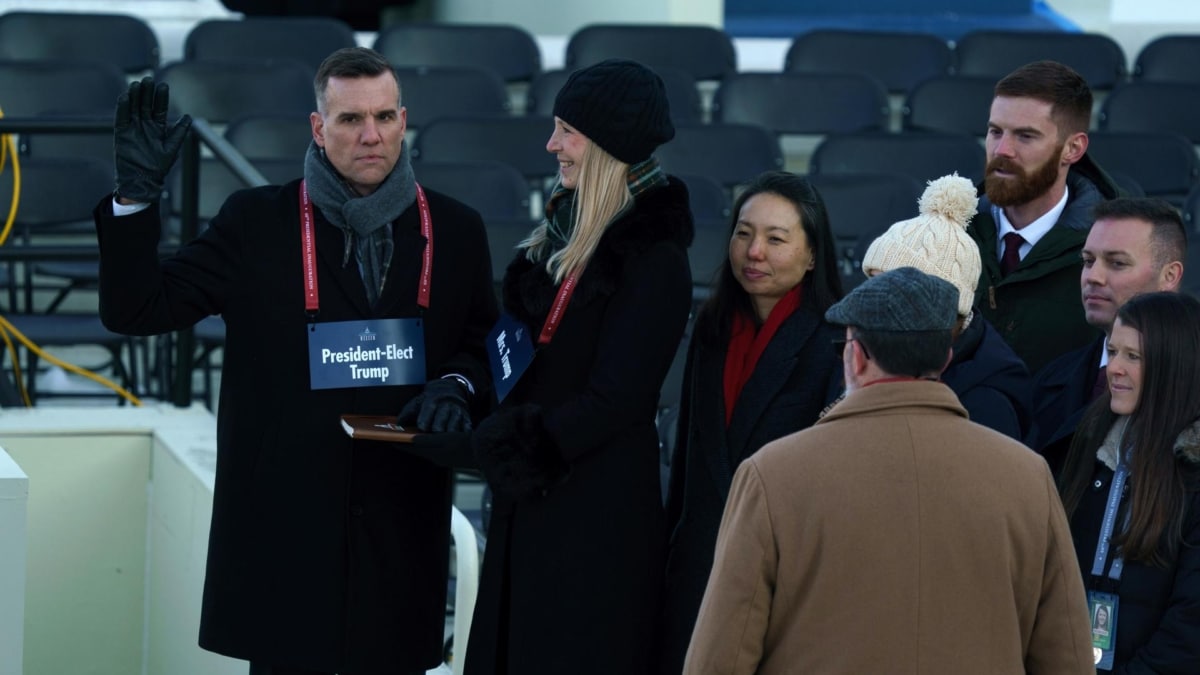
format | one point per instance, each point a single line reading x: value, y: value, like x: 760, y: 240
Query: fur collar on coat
x: 1187, y: 444
x: 657, y: 216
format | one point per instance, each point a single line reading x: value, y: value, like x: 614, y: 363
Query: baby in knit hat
x: 991, y: 381
x: 936, y: 241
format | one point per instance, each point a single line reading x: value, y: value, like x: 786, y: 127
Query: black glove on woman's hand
x: 143, y: 147
x: 440, y: 408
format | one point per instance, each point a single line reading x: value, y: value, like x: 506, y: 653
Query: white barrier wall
x: 86, y: 550
x: 555, y: 17
x: 103, y: 572
x: 113, y: 570
x: 14, y: 493
x: 184, y: 463
x: 1155, y: 11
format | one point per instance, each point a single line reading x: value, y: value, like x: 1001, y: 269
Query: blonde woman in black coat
x: 572, y: 573
x: 761, y: 365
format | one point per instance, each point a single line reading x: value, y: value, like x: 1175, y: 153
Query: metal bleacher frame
x: 179, y: 383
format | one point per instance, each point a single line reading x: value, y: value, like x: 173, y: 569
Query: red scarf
x: 746, y: 346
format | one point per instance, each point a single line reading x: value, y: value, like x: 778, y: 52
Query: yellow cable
x: 12, y: 354
x: 9, y: 146
x: 7, y: 326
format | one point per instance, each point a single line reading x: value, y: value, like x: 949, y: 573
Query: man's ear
x: 858, y: 358
x: 1170, y: 276
x: 1074, y: 148
x: 318, y: 128
x: 949, y: 358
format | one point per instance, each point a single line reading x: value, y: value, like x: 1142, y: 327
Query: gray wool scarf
x: 365, y: 220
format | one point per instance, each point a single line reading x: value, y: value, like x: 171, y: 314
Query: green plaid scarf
x: 560, y: 208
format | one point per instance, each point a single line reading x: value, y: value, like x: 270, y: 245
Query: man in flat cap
x: 895, y: 535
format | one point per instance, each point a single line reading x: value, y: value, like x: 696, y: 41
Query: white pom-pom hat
x: 936, y: 241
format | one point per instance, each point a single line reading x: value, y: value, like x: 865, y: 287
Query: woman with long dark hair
x: 760, y: 365
x: 1133, y: 472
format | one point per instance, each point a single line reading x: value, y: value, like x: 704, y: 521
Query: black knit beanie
x: 620, y: 105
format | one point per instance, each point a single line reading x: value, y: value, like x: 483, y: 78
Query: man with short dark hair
x: 326, y: 555
x: 1134, y: 246
x: 894, y: 535
x: 1040, y: 186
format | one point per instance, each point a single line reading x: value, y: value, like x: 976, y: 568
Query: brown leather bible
x: 376, y: 428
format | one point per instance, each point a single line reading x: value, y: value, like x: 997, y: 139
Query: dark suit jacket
x: 325, y: 553
x: 797, y: 375
x: 1061, y: 393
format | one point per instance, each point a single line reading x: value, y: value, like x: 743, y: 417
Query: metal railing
x: 202, y: 136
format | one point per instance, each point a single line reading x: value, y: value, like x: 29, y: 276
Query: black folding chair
x: 1170, y: 58
x: 711, y: 206
x: 1158, y: 107
x: 705, y: 52
x: 1191, y: 217
x: 58, y: 193
x: 951, y: 104
x: 497, y: 191
x: 519, y: 141
x: 899, y: 60
x: 307, y: 39
x: 433, y: 92
x: 860, y: 208
x: 121, y: 40
x: 62, y: 89
x: 922, y: 156
x: 995, y: 53
x: 221, y: 91
x: 509, y: 52
x: 270, y: 136
x: 1163, y: 165
x: 730, y: 154
x: 802, y: 103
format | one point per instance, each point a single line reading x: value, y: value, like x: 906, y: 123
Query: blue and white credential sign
x: 368, y: 353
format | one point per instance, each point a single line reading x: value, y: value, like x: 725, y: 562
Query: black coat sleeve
x: 640, y: 334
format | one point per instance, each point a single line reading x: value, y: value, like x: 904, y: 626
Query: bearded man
x: 1040, y: 187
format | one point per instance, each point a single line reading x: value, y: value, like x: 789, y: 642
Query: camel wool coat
x: 894, y: 536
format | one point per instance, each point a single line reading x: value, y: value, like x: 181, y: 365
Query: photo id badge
x: 366, y: 353
x: 1102, y: 608
x: 510, y: 351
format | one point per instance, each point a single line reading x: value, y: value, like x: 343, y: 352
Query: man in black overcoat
x: 326, y: 555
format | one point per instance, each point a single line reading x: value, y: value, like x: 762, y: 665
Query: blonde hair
x: 600, y: 196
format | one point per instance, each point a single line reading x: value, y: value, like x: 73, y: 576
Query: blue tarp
x: 950, y: 20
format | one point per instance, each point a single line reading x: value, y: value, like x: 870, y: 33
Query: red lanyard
x: 309, y: 251
x: 560, y: 305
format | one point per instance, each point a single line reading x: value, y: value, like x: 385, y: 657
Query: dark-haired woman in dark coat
x: 761, y: 365
x: 1143, y: 432
x: 572, y: 573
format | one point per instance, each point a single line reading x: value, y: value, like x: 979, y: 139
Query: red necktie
x: 1012, y: 253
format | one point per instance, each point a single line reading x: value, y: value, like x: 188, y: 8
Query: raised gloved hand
x: 440, y: 408
x: 144, y: 148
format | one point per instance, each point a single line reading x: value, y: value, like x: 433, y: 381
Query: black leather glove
x: 440, y: 408
x: 143, y: 147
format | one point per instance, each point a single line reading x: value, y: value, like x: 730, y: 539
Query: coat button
x: 1098, y: 484
x: 356, y: 510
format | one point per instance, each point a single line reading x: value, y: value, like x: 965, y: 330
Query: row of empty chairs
x: 469, y: 140
x: 784, y: 103
x: 899, y: 60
